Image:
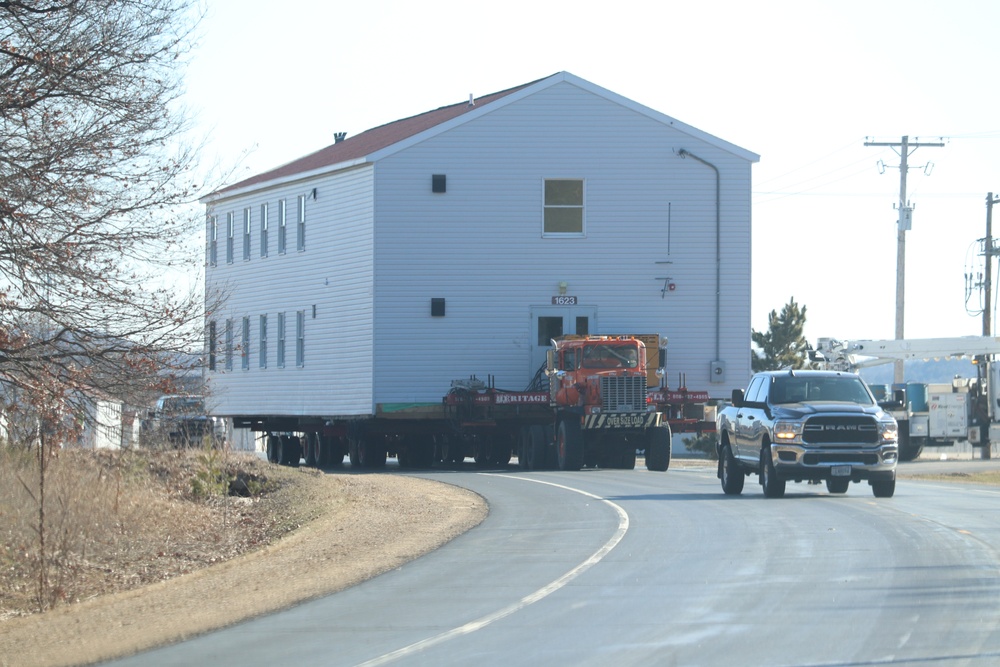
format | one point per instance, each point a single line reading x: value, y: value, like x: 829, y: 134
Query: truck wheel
x: 732, y: 477
x: 273, y: 449
x: 372, y: 454
x: 569, y: 444
x: 838, y: 485
x: 658, y: 448
x: 773, y: 487
x: 884, y: 488
x: 628, y: 457
x: 523, y: 447
x: 312, y: 449
x: 354, y: 452
x: 536, y: 451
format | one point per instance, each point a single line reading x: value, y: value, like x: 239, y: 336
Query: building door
x: 548, y: 322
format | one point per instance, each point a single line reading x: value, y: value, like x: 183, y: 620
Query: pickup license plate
x: 840, y: 471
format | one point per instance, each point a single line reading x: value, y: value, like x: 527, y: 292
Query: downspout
x: 718, y: 246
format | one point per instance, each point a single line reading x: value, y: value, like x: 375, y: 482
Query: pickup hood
x: 806, y: 410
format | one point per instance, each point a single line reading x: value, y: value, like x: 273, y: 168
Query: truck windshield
x: 791, y: 389
x: 610, y: 356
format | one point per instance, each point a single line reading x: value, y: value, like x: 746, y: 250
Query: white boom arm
x: 855, y: 354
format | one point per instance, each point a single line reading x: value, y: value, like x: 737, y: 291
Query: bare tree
x: 96, y: 194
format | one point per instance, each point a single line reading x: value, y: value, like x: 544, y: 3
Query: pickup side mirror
x: 738, y: 398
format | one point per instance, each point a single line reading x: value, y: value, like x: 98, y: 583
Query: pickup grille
x: 623, y: 394
x: 840, y: 431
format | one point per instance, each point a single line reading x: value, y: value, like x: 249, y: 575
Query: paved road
x: 639, y: 568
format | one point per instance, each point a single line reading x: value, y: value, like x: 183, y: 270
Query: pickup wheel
x: 569, y: 444
x: 773, y: 487
x: 732, y: 477
x: 658, y: 448
x: 884, y: 488
x: 838, y: 485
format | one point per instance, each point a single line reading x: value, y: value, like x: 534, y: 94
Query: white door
x: 548, y: 322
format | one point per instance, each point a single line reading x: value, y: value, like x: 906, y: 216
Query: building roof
x: 361, y: 147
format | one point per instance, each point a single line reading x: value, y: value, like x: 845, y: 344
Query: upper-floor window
x: 229, y: 345
x: 245, y: 345
x: 281, y: 226
x: 262, y: 354
x: 211, y: 345
x: 281, y: 340
x: 213, y: 240
x: 263, y: 230
x: 563, y: 207
x: 230, y: 223
x: 246, y: 233
x: 300, y: 338
x: 301, y: 223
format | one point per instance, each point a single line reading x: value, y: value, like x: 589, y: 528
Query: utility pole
x: 905, y: 147
x: 988, y: 277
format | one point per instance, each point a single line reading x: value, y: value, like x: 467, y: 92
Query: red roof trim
x: 371, y: 140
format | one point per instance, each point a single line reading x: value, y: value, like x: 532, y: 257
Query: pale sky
x: 803, y: 84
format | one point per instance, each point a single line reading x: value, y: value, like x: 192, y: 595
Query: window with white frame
x: 563, y: 207
x: 246, y: 233
x: 229, y: 345
x: 245, y: 345
x: 301, y: 224
x: 263, y: 230
x: 213, y: 241
x: 281, y: 341
x: 281, y: 226
x: 262, y: 347
x: 230, y: 223
x: 300, y: 338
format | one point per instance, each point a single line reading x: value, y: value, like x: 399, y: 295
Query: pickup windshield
x: 791, y: 389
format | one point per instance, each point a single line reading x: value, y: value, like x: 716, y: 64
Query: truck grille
x: 847, y: 430
x: 623, y: 394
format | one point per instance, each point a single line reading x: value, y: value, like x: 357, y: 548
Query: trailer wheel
x: 658, y: 448
x: 312, y: 450
x: 523, y: 447
x: 372, y: 454
x: 354, y: 452
x: 537, y: 455
x: 273, y: 449
x: 628, y: 457
x: 569, y: 444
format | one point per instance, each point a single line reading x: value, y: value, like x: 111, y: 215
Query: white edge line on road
x: 541, y: 593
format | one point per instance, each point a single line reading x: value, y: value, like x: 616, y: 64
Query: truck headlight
x: 888, y: 432
x: 787, y: 431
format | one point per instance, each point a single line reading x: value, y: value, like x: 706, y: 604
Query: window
x: 245, y: 345
x: 563, y: 209
x: 281, y: 340
x: 301, y: 223
x: 229, y: 345
x: 281, y: 226
x: 246, y: 234
x: 263, y: 342
x: 211, y: 345
x: 263, y: 230
x: 229, y: 237
x: 300, y: 338
x: 213, y: 241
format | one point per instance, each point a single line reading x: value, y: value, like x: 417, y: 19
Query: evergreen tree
x: 783, y: 345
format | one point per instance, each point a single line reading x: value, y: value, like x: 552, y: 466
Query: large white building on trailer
x: 371, y: 274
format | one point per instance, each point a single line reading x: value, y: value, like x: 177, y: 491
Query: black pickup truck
x: 806, y: 426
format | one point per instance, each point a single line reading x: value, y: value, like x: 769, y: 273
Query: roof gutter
x: 718, y: 245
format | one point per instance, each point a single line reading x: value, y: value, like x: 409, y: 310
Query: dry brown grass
x: 117, y: 520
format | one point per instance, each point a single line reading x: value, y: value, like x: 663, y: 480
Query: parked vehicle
x: 806, y: 426
x: 180, y: 420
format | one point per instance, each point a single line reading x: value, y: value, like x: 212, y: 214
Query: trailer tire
x: 354, y: 452
x: 372, y: 455
x: 569, y: 444
x: 628, y: 457
x: 523, y: 447
x: 537, y: 454
x: 312, y: 450
x: 273, y: 449
x: 658, y: 448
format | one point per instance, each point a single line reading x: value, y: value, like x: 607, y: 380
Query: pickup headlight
x: 788, y: 431
x: 888, y: 432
